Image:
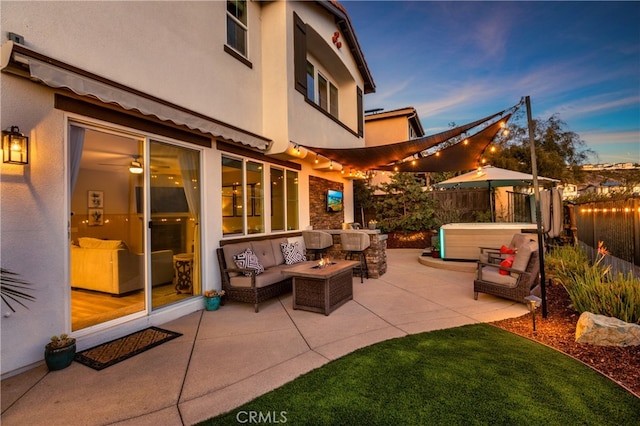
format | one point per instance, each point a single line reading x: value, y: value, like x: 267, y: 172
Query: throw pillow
x: 506, y: 250
x: 248, y: 260
x: 292, y: 253
x: 507, y: 263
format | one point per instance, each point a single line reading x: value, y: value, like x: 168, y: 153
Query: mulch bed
x: 621, y: 364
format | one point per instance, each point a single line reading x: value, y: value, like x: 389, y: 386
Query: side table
x: 183, y: 267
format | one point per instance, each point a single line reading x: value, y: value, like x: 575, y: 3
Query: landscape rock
x: 601, y: 330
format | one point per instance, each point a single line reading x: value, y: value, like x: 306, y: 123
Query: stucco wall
x: 33, y: 226
x: 171, y: 49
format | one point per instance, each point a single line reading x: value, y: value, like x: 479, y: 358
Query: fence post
x: 636, y: 231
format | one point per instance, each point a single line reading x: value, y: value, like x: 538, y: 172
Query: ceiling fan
x: 135, y: 166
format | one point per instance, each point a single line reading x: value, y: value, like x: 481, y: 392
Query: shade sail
x: 377, y: 157
x: 491, y: 177
x: 461, y: 156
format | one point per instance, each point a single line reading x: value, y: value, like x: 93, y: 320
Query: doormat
x: 110, y: 353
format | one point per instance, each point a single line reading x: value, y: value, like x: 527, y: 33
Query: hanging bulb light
x: 135, y: 167
x: 331, y: 165
x: 316, y: 158
x: 466, y: 142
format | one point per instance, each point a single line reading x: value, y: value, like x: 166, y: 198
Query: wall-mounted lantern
x: 15, y: 146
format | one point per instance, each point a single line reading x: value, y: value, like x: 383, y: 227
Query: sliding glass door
x: 134, y: 226
x: 174, y: 231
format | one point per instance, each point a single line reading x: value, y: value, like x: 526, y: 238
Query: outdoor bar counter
x: 376, y: 253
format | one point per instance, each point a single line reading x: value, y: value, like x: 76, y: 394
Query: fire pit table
x: 322, y: 288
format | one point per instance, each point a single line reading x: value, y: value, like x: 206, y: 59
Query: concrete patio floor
x: 228, y: 357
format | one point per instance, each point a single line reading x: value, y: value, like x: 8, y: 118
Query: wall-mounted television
x: 334, y: 201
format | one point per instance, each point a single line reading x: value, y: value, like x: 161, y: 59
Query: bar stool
x: 355, y: 242
x: 317, y: 242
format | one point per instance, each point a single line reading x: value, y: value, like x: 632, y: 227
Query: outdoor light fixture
x: 532, y: 302
x: 15, y: 146
x: 135, y: 167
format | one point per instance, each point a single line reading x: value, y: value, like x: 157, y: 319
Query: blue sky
x: 460, y: 61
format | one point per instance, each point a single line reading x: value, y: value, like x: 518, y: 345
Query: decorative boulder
x: 601, y: 330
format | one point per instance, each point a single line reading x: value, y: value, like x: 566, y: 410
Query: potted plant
x: 212, y: 299
x: 59, y: 352
x: 373, y: 224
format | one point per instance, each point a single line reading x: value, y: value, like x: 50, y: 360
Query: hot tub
x: 462, y: 241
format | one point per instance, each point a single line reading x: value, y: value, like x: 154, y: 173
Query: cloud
x: 599, y: 104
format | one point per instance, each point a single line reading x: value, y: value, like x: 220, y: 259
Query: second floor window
x: 237, y: 25
x: 326, y: 95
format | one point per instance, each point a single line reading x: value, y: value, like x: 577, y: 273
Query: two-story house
x: 155, y: 131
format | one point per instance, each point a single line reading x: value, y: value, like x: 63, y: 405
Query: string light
x: 316, y: 158
x: 331, y: 165
x: 465, y: 142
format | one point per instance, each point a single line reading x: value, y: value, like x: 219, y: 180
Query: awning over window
x: 22, y: 61
x: 385, y: 157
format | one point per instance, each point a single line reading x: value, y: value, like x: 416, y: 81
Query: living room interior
x: 119, y: 266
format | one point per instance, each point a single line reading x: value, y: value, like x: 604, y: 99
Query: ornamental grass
x: 592, y: 287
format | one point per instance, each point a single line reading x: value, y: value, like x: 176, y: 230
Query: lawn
x: 475, y: 374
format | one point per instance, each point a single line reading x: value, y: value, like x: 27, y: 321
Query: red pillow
x: 507, y: 250
x: 507, y: 263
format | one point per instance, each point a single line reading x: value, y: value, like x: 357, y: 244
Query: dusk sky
x: 460, y: 61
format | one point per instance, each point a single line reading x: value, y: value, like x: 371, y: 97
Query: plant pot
x: 212, y: 303
x: 59, y: 358
x: 435, y: 254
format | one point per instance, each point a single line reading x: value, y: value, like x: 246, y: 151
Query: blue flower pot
x: 212, y: 303
x: 59, y: 358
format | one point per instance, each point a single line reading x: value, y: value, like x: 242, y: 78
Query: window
x: 237, y: 25
x: 333, y: 100
x: 292, y: 200
x: 311, y: 88
x: 323, y: 95
x: 327, y: 94
x: 243, y: 197
x: 277, y: 199
x: 284, y: 199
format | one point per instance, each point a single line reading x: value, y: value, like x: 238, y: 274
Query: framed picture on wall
x: 96, y: 217
x: 95, y: 199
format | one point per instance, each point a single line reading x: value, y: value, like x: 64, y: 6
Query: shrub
x: 592, y: 287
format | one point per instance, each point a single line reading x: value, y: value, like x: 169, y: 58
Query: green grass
x: 475, y: 374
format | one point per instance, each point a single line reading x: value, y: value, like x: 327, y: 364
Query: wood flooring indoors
x: 90, y: 308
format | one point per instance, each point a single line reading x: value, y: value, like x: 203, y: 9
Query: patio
x: 228, y: 357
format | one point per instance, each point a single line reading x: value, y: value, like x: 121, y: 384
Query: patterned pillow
x: 292, y: 253
x: 248, y: 260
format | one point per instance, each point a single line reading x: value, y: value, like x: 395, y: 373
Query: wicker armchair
x: 493, y: 254
x: 518, y: 283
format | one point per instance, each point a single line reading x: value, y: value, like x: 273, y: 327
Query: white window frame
x: 242, y: 25
x: 333, y: 101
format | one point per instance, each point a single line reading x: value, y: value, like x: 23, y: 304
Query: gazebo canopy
x: 491, y: 177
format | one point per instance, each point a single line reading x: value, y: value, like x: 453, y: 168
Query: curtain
x: 76, y: 143
x: 190, y: 169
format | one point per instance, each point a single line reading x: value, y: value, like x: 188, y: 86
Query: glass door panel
x: 107, y: 248
x: 174, y: 232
